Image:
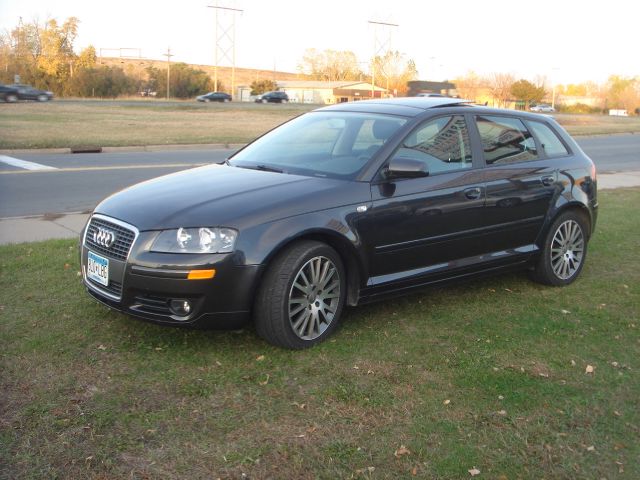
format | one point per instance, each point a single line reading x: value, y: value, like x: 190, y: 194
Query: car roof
x: 405, y: 106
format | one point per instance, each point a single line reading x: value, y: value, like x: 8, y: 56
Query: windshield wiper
x: 262, y: 167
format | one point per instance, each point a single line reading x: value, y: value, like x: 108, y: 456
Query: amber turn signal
x: 201, y: 274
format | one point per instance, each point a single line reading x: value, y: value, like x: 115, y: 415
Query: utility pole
x: 225, y: 46
x: 168, y: 55
x: 379, y: 45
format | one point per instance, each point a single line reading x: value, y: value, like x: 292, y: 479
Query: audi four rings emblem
x: 104, y: 237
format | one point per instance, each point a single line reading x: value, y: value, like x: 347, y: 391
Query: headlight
x: 195, y: 240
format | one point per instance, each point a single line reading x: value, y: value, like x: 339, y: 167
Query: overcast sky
x: 564, y: 40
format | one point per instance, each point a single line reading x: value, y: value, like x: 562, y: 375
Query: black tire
x: 564, y: 250
x: 290, y: 317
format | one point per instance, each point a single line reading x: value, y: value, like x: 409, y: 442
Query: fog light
x: 180, y: 307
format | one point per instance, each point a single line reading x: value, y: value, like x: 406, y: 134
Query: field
x: 499, y: 376
x: 64, y: 124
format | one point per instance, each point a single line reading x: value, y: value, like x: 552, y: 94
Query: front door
x: 423, y: 226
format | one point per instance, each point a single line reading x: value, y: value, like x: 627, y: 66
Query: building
x: 327, y: 93
x: 423, y: 86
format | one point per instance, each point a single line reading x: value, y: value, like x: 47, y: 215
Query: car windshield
x: 323, y: 144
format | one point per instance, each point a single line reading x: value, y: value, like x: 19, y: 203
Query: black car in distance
x: 8, y: 93
x: 214, y: 97
x: 273, y: 97
x: 27, y: 92
x: 345, y: 205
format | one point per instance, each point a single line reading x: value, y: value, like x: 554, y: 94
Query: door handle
x: 473, y: 193
x: 548, y: 180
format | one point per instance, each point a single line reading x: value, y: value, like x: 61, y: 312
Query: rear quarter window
x: 505, y: 140
x: 549, y: 141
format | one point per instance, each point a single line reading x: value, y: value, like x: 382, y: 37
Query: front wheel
x: 43, y: 98
x: 564, y: 251
x: 301, y: 297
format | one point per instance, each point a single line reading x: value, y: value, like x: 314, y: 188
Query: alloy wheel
x: 567, y: 249
x: 314, y: 298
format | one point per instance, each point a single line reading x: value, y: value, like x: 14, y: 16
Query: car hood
x: 220, y: 195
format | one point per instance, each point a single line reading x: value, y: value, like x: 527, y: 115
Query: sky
x: 563, y: 41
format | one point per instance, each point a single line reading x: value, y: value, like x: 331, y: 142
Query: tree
x: 330, y: 65
x: 186, y: 81
x: 623, y: 93
x: 469, y: 87
x: 395, y: 71
x: 500, y: 87
x: 259, y: 87
x: 527, y: 92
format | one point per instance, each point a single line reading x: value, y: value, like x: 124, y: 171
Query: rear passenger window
x: 442, y: 144
x: 505, y: 140
x: 549, y: 141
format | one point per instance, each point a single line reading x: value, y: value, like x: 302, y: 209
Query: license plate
x: 98, y: 269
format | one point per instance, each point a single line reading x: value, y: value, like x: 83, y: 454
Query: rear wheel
x: 42, y: 98
x: 301, y: 297
x: 11, y: 98
x: 564, y: 250
x: 264, y: 100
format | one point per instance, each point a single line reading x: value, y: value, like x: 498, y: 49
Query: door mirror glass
x: 403, y: 167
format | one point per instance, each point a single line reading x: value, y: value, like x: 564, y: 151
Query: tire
x: 11, y: 98
x: 264, y: 100
x: 207, y: 100
x: 226, y: 100
x: 564, y: 251
x: 295, y: 310
x: 42, y: 98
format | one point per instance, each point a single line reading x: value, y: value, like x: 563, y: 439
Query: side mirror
x: 403, y: 167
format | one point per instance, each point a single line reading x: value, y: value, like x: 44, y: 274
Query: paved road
x: 76, y: 183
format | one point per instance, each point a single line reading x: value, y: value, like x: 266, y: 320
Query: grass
x: 489, y: 374
x: 141, y: 122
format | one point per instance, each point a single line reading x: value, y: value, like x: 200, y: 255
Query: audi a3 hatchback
x: 341, y: 206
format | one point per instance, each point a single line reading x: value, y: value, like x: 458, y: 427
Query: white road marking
x: 16, y: 162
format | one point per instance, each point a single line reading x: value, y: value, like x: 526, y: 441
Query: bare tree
x: 330, y: 65
x: 500, y: 87
x: 469, y: 87
x: 396, y: 71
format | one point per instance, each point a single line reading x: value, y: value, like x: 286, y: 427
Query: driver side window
x: 441, y: 143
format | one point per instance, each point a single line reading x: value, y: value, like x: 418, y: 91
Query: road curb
x: 133, y: 148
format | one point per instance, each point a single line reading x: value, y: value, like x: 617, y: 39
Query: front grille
x: 114, y: 288
x: 120, y: 248
x: 152, y: 304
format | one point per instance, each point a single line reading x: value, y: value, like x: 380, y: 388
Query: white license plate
x: 98, y: 269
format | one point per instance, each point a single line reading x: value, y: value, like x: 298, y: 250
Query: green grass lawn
x: 61, y: 124
x: 489, y: 374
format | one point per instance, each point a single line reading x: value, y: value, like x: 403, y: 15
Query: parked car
x: 543, y: 108
x: 8, y: 93
x: 214, y: 97
x: 273, y: 97
x: 345, y: 205
x: 27, y: 92
x: 430, y: 95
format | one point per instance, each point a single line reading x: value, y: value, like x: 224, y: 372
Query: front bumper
x: 143, y: 283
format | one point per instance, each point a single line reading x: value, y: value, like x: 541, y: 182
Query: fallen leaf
x: 259, y: 358
x: 502, y: 412
x: 401, y: 451
x: 447, y: 402
x: 589, y: 369
x: 617, y: 413
x: 266, y: 381
x: 615, y: 364
x: 414, y: 471
x: 573, y: 363
x: 66, y: 266
x: 500, y: 397
x: 509, y: 290
x: 101, y: 347
x: 591, y: 448
x: 474, y: 471
x: 545, y: 375
x: 565, y: 311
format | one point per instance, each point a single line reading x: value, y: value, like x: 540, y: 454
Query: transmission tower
x: 225, y: 47
x: 382, y: 35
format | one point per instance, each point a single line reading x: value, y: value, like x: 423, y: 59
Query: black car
x: 214, y: 97
x: 273, y: 97
x: 8, y: 93
x: 27, y: 92
x: 345, y: 205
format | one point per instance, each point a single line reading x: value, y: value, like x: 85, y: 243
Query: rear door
x: 520, y: 183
